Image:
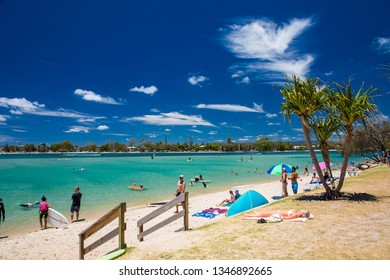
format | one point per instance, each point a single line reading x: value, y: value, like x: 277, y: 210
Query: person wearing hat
x: 2, y: 211
x: 284, y: 183
x: 181, y: 187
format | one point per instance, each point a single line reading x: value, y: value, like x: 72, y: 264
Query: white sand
x: 63, y: 244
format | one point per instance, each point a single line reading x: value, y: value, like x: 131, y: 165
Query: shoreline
x: 63, y: 244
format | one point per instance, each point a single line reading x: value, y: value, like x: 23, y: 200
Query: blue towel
x: 204, y: 215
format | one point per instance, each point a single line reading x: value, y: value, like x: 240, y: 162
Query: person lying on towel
x: 282, y: 214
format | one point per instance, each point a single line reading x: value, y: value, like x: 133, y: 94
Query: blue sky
x: 114, y: 70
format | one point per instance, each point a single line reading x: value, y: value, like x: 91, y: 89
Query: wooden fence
x: 116, y: 212
x: 183, y: 199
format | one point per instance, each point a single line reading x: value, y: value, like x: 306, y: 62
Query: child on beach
x: 43, y: 211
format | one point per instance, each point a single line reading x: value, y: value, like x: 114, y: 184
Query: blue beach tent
x: 248, y: 200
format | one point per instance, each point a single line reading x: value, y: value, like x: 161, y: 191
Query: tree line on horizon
x: 367, y: 142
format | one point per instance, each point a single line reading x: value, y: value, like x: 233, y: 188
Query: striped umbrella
x: 277, y: 169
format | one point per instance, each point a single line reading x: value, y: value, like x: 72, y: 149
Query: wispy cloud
x: 270, y: 116
x: 85, y: 129
x: 20, y: 106
x: 268, y: 47
x: 382, y: 45
x: 94, y: 97
x: 196, y: 80
x: 196, y: 131
x: 78, y: 129
x: 173, y: 118
x: 232, y: 108
x: 3, y: 118
x: 147, y: 90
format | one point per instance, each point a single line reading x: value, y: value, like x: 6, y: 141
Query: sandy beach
x: 63, y: 244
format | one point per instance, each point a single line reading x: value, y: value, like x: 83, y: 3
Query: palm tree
x: 324, y: 129
x: 304, y: 98
x: 349, y: 108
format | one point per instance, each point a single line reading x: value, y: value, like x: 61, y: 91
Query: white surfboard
x: 56, y: 219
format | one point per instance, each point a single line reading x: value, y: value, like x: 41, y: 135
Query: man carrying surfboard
x: 76, y: 203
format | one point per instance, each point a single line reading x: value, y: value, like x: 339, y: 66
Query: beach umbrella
x: 277, y: 169
x: 322, y: 165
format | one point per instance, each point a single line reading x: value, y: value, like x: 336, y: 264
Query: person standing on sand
x: 306, y: 170
x: 294, y: 180
x: 284, y: 183
x: 43, y: 211
x: 181, y: 187
x: 2, y: 211
x: 76, y: 203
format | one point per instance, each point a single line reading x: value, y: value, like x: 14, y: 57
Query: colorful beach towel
x: 215, y: 210
x: 204, y: 215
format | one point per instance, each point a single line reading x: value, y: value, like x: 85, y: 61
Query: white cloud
x: 3, y: 118
x: 85, y: 129
x: 213, y: 132
x: 329, y: 73
x: 269, y: 48
x: 147, y: 90
x: 102, y: 127
x: 155, y: 110
x: 173, y: 118
x: 231, y: 108
x: 382, y: 44
x: 92, y: 96
x: 196, y: 131
x: 274, y: 124
x: 270, y: 116
x: 196, y: 80
x: 22, y: 106
x: 78, y: 129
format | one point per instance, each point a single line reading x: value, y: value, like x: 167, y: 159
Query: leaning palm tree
x: 349, y: 108
x: 303, y: 98
x: 324, y: 128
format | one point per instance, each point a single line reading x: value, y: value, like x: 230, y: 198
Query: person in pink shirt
x: 43, y: 212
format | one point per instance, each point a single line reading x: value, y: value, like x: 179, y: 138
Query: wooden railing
x: 116, y: 212
x: 183, y: 199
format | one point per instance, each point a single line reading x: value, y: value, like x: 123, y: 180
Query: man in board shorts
x: 76, y: 203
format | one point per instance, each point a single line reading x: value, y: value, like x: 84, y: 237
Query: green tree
x: 304, y: 98
x: 350, y: 107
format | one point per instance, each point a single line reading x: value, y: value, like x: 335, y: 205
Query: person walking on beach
x: 284, y: 183
x: 306, y: 170
x: 181, y: 187
x: 43, y: 211
x: 76, y: 203
x: 294, y: 180
x: 2, y: 211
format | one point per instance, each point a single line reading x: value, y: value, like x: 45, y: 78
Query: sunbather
x: 283, y: 214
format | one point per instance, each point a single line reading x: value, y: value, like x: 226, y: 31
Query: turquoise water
x: 105, y: 179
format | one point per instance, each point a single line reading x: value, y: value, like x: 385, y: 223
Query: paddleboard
x: 56, y: 219
x: 113, y: 255
x: 157, y: 204
x: 247, y: 201
x: 200, y: 181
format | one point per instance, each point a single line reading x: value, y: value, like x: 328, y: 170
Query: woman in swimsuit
x: 284, y: 214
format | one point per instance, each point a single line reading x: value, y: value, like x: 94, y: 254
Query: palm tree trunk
x: 306, y: 133
x: 347, y: 150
